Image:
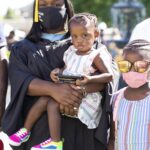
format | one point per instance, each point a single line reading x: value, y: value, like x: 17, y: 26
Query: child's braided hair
x: 85, y: 18
x: 139, y: 45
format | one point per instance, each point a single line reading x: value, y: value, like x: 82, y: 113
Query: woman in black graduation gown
x: 3, y: 71
x: 31, y: 62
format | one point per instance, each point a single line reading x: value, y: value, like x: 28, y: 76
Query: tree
x: 10, y: 14
x: 101, y: 8
x: 147, y: 5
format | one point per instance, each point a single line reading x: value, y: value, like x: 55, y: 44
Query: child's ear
x: 97, y: 33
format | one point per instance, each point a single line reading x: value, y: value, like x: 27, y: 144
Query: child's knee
x: 43, y: 101
x: 52, y: 104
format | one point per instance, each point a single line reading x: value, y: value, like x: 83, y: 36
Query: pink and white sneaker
x: 19, y: 137
x: 49, y: 145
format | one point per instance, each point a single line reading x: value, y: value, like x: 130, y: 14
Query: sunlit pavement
x: 4, y: 139
x: 3, y: 136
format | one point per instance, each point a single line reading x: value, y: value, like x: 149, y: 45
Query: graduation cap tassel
x: 36, y: 15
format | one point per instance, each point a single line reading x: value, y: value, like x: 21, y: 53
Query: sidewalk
x: 4, y: 138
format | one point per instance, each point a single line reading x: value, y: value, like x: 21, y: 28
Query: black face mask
x: 52, y: 18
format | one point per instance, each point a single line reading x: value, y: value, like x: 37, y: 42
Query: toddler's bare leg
x: 36, y: 111
x: 54, y: 120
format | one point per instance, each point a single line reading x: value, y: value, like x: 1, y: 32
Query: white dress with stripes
x: 132, y: 124
x: 90, y: 109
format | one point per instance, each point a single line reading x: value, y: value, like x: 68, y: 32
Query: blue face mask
x: 52, y: 37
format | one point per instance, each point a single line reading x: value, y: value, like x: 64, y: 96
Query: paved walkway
x: 3, y: 136
x: 4, y: 139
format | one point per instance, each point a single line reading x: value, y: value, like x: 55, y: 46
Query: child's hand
x: 54, y: 74
x: 85, y: 80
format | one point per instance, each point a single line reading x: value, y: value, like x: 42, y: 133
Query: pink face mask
x: 135, y: 79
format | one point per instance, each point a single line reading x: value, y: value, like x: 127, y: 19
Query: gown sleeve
x: 20, y: 78
x: 28, y: 61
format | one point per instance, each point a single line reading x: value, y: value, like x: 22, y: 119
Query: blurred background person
x: 3, y: 70
x: 141, y: 31
x: 11, y: 39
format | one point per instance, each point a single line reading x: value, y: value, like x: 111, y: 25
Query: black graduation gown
x: 29, y: 61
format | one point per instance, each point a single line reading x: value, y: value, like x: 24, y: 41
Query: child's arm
x: 104, y: 77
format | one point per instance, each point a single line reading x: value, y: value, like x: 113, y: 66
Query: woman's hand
x: 71, y: 111
x: 66, y: 95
